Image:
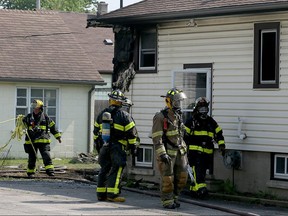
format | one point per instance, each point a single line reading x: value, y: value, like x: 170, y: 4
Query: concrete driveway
x: 58, y: 197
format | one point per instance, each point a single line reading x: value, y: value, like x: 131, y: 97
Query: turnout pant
x: 173, y: 177
x: 32, y: 150
x: 112, y: 160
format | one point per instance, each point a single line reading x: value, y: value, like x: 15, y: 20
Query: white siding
x: 73, y: 115
x: 228, y: 44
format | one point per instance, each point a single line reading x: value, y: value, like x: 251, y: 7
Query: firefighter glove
x: 222, y: 149
x: 132, y: 148
x: 165, y: 158
x: 59, y: 140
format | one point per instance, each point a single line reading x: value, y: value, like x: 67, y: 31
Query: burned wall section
x: 123, y: 71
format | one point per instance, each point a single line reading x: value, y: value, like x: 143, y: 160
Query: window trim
x: 259, y: 28
x: 28, y: 99
x: 280, y: 175
x: 142, y: 163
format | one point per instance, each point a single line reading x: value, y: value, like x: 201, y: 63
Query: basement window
x: 144, y: 156
x: 281, y: 166
x: 266, y: 55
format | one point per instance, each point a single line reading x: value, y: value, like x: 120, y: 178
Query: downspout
x: 38, y: 4
x: 90, y: 93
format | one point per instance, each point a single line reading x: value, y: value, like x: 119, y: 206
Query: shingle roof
x: 150, y: 11
x: 38, y: 46
x: 91, y: 40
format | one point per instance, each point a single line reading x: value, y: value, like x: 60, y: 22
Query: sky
x: 115, y: 4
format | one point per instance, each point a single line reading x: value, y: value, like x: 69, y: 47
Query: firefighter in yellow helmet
x: 114, y: 133
x: 201, y: 132
x: 167, y: 136
x: 37, y: 138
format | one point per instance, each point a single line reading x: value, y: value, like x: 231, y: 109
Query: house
x: 233, y: 52
x: 44, y: 57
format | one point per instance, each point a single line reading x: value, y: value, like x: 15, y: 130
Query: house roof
x: 155, y: 11
x: 92, y: 40
x: 37, y: 46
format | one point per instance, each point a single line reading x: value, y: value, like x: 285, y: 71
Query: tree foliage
x: 59, y: 5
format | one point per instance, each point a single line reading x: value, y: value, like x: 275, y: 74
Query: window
x: 195, y: 81
x: 144, y: 156
x: 266, y: 55
x: 147, y: 51
x: 25, y: 96
x: 281, y: 166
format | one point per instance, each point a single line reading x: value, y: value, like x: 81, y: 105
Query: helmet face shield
x: 203, y: 110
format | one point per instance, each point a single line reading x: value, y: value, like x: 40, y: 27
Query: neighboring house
x: 98, y: 44
x: 41, y: 57
x: 233, y: 52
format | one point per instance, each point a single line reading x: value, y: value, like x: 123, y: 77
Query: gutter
x: 38, y: 80
x: 197, y: 13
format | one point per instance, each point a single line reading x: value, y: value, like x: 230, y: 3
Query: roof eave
x: 164, y: 17
x: 82, y: 82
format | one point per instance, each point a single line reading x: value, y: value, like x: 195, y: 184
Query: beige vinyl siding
x: 227, y: 43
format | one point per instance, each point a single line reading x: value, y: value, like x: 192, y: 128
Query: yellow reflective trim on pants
x: 221, y: 142
x: 101, y: 189
x: 199, y: 148
x: 52, y: 124
x: 31, y: 170
x: 49, y: 167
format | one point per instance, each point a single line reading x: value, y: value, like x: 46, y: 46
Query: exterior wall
x: 73, y: 115
x: 227, y: 43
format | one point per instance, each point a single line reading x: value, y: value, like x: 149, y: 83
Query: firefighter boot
x: 116, y: 199
x: 170, y: 206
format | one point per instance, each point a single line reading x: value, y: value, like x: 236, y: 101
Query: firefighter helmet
x: 116, y: 97
x: 37, y: 104
x: 174, y: 98
x: 202, y: 107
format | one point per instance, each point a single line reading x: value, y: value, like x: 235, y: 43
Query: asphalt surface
x: 59, y: 197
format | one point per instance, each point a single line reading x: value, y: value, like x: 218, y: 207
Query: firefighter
x: 167, y: 136
x: 112, y: 150
x: 202, y: 131
x: 37, y: 138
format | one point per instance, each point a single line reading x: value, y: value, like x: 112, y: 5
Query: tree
x: 59, y: 5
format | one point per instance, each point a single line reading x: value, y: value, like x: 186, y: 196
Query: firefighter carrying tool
x: 37, y: 138
x: 167, y: 136
x: 112, y: 150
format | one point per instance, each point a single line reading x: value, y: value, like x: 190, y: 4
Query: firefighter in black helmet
x: 201, y: 133
x: 167, y: 136
x: 37, y: 138
x: 120, y: 135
